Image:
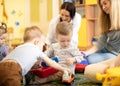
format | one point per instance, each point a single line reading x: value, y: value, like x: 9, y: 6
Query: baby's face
x: 64, y: 40
x: 2, y: 38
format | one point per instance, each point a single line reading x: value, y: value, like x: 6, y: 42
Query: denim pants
x: 99, y: 56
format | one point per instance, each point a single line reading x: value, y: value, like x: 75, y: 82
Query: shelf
x: 91, y: 11
x: 88, y: 9
x: 79, y: 1
x: 81, y: 11
x: 84, y: 48
x: 79, y: 5
x: 92, y: 19
x: 91, y: 2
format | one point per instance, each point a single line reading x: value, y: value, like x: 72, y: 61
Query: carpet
x: 80, y: 80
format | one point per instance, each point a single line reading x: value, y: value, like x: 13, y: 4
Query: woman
x: 110, y: 25
x: 67, y: 13
x: 108, y: 44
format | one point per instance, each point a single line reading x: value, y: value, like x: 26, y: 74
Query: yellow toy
x: 111, y: 78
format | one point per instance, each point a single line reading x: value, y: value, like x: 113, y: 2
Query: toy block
x: 43, y: 72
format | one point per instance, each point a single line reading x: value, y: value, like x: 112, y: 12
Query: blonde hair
x: 115, y: 14
x: 110, y: 21
x: 64, y: 28
x: 31, y: 33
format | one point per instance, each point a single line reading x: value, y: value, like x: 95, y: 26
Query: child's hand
x: 68, y: 70
x: 70, y: 61
x: 37, y: 63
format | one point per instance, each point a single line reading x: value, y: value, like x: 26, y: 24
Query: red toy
x: 80, y: 68
x: 43, y: 72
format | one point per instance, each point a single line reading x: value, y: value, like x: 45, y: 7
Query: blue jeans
x: 99, y: 56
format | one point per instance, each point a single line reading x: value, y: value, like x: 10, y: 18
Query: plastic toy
x: 111, y: 78
x: 43, y: 72
x: 84, y: 61
x: 67, y: 78
x: 80, y: 67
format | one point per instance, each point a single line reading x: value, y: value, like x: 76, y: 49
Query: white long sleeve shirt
x: 76, y: 21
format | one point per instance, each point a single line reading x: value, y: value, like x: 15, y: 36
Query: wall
x: 16, y: 16
x: 47, y: 10
x: 13, y: 13
x: 22, y: 13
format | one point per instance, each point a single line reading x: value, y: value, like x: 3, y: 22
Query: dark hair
x: 70, y: 8
x: 3, y: 26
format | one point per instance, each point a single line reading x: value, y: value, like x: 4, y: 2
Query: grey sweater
x: 110, y: 41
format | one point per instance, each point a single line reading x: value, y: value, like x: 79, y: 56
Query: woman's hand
x: 115, y: 62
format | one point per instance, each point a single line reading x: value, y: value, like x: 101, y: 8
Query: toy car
x: 67, y: 78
